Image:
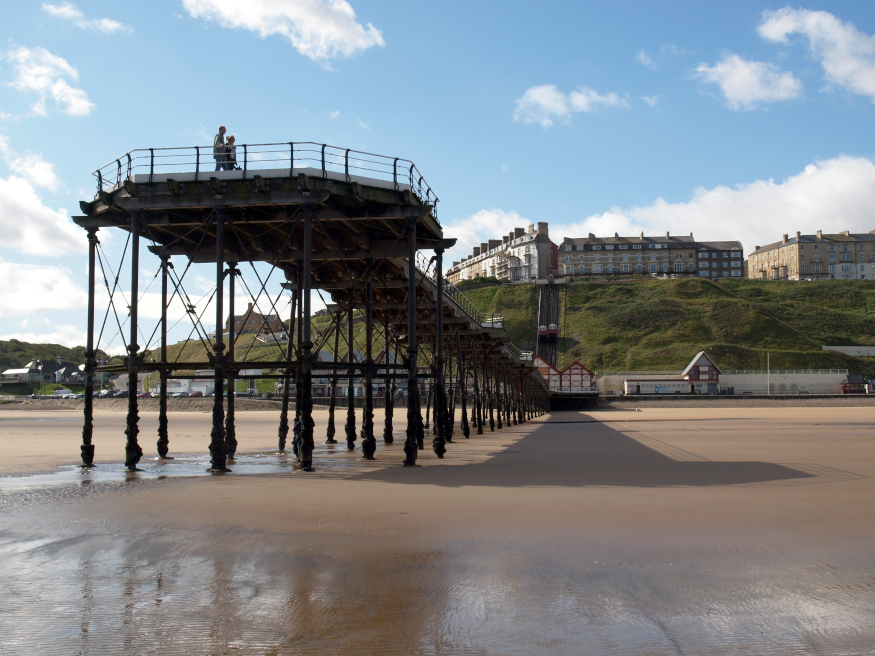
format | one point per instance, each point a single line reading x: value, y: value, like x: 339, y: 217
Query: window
x: 639, y: 256
x: 625, y: 268
x: 652, y: 257
x: 679, y: 267
x: 610, y: 268
x: 665, y: 268
x: 704, y: 274
x: 568, y: 247
x: 862, y: 257
x: 665, y: 256
x: 597, y: 268
x: 652, y: 268
x: 703, y: 265
x: 636, y: 246
x: 802, y: 270
x: 678, y: 256
x: 625, y: 257
x: 736, y: 254
x: 831, y: 247
x: 597, y: 258
x: 597, y: 247
x: 580, y: 258
x: 862, y: 247
x: 832, y: 257
x: 714, y: 254
x: 703, y: 255
x: 736, y: 273
x: 725, y: 254
x: 623, y: 247
x: 692, y: 267
x: 736, y: 264
x: 639, y: 268
x: 832, y: 268
x: 581, y: 270
x: 567, y: 259
x: 815, y: 247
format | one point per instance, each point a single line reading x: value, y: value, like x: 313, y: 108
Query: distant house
x: 574, y: 378
x: 255, y: 322
x: 854, y: 384
x: 701, y: 376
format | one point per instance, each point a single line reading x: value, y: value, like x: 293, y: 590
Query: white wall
x: 783, y: 383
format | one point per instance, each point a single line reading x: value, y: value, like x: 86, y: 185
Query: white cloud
x: 545, y: 103
x: 363, y: 124
x: 39, y: 72
x: 653, y: 101
x: 334, y: 114
x: 318, y: 29
x: 846, y: 54
x: 645, y: 59
x: 30, y: 288
x: 31, y: 166
x: 31, y: 227
x: 69, y: 11
x: 748, y: 84
x: 832, y: 195
x: 64, y: 334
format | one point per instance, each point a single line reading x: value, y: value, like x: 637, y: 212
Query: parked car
x: 156, y: 395
x: 196, y: 394
x: 180, y: 395
x: 143, y: 395
x: 105, y: 393
x: 121, y: 394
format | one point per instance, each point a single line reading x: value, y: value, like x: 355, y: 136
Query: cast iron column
x: 369, y: 444
x: 499, y: 407
x: 230, y: 430
x: 488, y: 388
x: 217, y: 436
x: 329, y: 433
x: 87, y: 448
x: 413, y: 411
x: 463, y: 384
x: 478, y: 415
x: 283, y: 432
x: 306, y: 350
x: 133, y: 452
x: 350, y: 390
x: 438, y: 444
x: 388, y: 438
x: 163, y: 436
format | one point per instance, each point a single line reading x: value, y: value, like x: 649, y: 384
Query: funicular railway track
x: 351, y: 225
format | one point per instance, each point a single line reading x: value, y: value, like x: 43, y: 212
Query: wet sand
x: 666, y: 531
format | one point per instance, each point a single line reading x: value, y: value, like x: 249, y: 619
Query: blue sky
x: 738, y: 120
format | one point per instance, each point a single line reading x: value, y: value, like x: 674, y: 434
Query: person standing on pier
x: 219, y: 151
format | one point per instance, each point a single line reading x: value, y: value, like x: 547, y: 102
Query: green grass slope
x: 661, y: 324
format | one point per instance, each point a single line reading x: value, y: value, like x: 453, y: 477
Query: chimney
x: 483, y: 248
x: 493, y: 243
x: 642, y: 234
x: 820, y: 234
x: 691, y: 236
x: 518, y: 232
x: 542, y: 228
x: 591, y: 236
x: 476, y: 251
x: 456, y: 264
x: 756, y: 248
x: 784, y: 239
x: 798, y: 235
x: 505, y: 239
x: 616, y: 235
x: 666, y: 235
x: 846, y: 233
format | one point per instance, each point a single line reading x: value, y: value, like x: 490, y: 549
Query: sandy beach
x: 659, y: 531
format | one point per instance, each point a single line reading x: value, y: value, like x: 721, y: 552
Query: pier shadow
x: 589, y: 453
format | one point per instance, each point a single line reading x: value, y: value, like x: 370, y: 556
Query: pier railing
x: 201, y: 161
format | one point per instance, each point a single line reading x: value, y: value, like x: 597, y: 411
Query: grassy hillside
x: 661, y: 324
x: 18, y: 354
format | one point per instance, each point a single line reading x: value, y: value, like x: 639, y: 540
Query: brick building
x: 842, y: 256
x: 521, y: 256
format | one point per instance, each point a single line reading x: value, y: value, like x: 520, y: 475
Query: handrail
x: 453, y: 292
x: 287, y: 155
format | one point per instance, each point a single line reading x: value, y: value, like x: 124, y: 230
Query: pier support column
x: 230, y: 429
x: 413, y: 411
x: 369, y: 444
x: 87, y: 448
x: 217, y: 436
x: 388, y: 437
x: 499, y: 406
x: 478, y: 397
x: 307, y: 348
x: 283, y: 431
x: 133, y: 452
x: 163, y: 443
x: 329, y: 434
x: 350, y: 390
x: 463, y: 386
x: 488, y: 388
x: 438, y: 444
